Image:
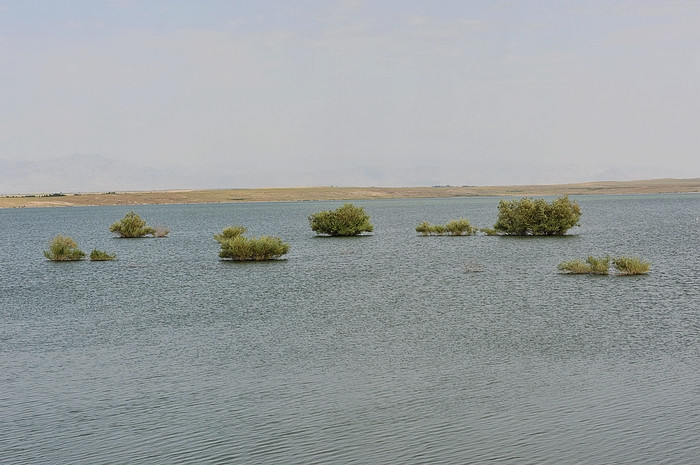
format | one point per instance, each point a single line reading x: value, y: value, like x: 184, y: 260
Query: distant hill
x: 84, y: 173
x: 97, y: 173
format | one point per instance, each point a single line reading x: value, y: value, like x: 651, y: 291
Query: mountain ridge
x: 97, y: 173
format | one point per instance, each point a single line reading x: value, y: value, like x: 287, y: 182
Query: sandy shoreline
x: 291, y: 194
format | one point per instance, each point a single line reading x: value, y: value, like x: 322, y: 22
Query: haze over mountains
x: 97, y: 173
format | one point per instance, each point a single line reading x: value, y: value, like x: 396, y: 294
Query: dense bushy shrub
x: 537, y: 217
x: 631, y: 265
x: 62, y: 249
x: 101, y: 256
x: 460, y: 227
x: 347, y: 220
x: 236, y: 247
x: 133, y: 226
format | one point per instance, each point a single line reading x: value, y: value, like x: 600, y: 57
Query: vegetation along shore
x: 290, y: 194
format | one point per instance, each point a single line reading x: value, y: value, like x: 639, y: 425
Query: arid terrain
x: 291, y: 194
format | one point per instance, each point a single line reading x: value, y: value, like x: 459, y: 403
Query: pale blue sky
x: 320, y: 92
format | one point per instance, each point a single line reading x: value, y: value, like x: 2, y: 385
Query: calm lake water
x: 386, y: 348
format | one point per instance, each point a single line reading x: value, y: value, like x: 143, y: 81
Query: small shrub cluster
x: 460, y: 227
x: 521, y: 217
x: 133, y: 226
x: 233, y: 245
x: 65, y: 249
x: 236, y: 247
x: 347, y: 220
x: 601, y: 265
x: 537, y: 217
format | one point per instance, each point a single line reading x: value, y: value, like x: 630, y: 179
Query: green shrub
x: 230, y: 233
x: 575, y: 267
x: 489, y: 231
x: 460, y: 227
x: 537, y: 217
x: 63, y: 248
x: 599, y: 265
x: 132, y: 226
x: 424, y: 228
x: 347, y: 220
x: 101, y: 256
x: 631, y: 266
x: 236, y: 247
x: 592, y: 265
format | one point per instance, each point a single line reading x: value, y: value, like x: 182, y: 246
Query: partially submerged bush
x: 425, y: 228
x: 160, y: 231
x: 537, y: 217
x: 101, y: 256
x: 236, y: 247
x: 631, y: 266
x: 132, y: 226
x: 62, y: 249
x: 592, y: 265
x: 601, y: 265
x: 460, y: 227
x: 574, y: 267
x: 347, y: 220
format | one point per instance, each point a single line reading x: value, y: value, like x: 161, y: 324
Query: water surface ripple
x: 387, y: 348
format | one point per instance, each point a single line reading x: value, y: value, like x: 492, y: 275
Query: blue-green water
x: 387, y: 348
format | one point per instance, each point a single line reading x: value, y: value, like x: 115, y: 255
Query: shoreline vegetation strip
x: 291, y: 194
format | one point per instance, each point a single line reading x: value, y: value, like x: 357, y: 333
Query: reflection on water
x: 378, y: 349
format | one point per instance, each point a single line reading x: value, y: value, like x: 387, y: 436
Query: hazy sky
x: 285, y: 86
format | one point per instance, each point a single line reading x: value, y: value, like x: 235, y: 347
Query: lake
x: 384, y: 348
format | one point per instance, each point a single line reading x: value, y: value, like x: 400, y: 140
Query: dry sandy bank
x: 346, y: 193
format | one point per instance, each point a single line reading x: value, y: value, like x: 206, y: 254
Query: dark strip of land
x: 290, y: 194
